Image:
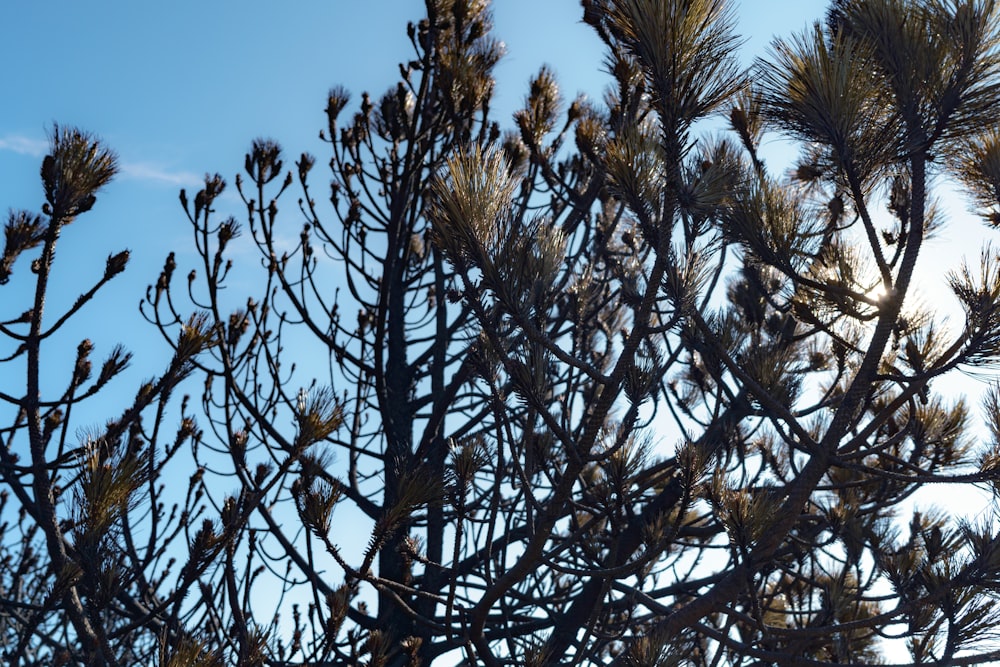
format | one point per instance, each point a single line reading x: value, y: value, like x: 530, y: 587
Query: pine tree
x: 94, y: 568
x: 599, y: 389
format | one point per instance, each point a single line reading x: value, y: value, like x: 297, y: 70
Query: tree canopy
x: 601, y: 387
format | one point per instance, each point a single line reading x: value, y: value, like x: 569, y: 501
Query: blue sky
x: 181, y: 88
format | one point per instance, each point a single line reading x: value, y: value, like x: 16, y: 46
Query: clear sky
x: 181, y: 88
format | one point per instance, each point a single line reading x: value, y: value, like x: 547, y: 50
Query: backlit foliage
x: 595, y: 389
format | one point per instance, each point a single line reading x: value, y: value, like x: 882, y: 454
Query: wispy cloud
x: 22, y: 145
x: 147, y: 172
x: 153, y: 173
